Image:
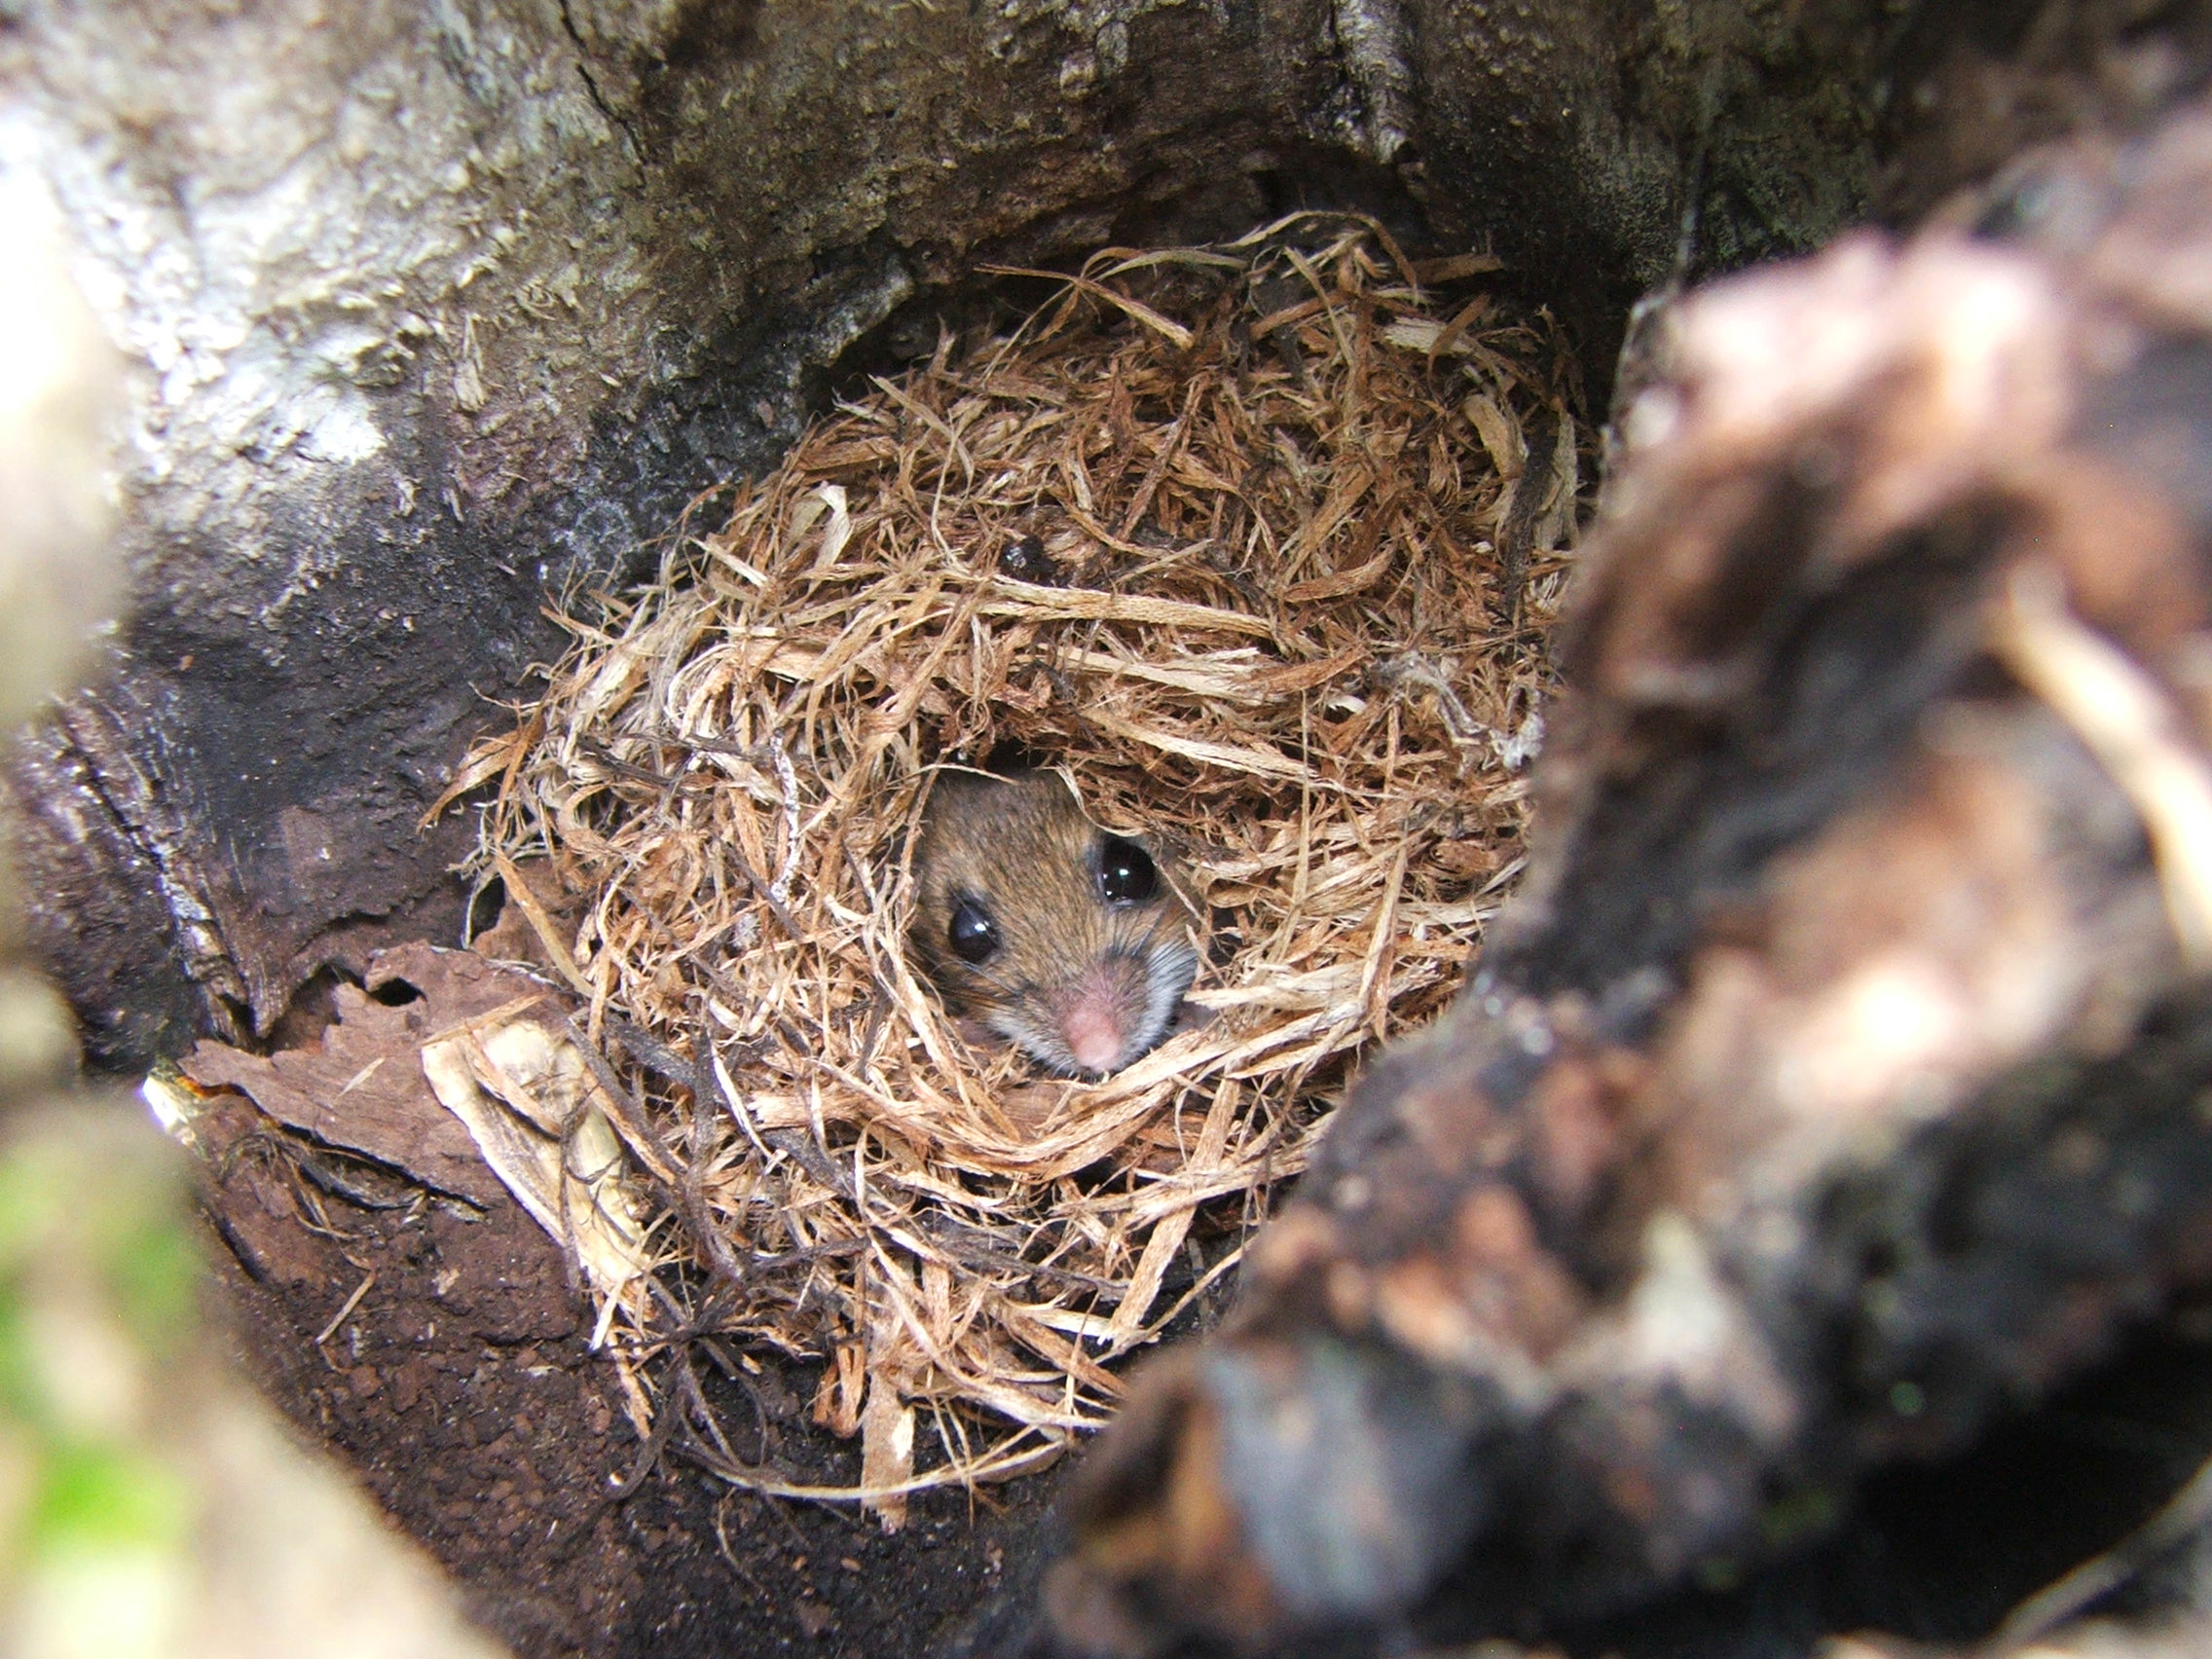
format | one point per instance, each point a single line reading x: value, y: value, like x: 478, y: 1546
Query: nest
x: 1256, y: 544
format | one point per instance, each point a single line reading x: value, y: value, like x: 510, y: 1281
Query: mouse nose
x: 1101, y: 1011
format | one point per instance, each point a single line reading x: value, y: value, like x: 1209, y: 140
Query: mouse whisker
x: 998, y: 987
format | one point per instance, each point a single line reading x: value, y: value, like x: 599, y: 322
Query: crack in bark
x: 599, y: 100
x: 204, y: 954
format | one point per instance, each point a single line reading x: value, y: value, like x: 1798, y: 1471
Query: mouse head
x: 1061, y: 937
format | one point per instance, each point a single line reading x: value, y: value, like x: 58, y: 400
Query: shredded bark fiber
x: 1259, y: 545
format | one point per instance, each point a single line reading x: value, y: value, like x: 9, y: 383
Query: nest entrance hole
x: 1260, y: 544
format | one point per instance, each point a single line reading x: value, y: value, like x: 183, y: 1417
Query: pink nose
x: 1099, y: 1012
x: 1095, y: 1042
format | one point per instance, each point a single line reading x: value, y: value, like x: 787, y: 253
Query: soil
x: 444, y: 1356
x: 461, y: 1388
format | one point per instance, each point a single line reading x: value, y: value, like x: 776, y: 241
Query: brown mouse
x: 1058, y: 935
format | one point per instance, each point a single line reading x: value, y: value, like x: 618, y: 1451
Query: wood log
x: 1838, y: 1079
x: 428, y: 311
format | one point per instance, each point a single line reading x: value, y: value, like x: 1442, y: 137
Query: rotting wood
x: 1837, y: 1079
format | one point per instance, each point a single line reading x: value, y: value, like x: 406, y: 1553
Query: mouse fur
x: 1058, y: 935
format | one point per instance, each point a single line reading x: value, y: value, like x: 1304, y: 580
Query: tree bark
x: 433, y: 311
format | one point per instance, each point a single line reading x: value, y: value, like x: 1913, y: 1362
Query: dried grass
x: 1217, y: 531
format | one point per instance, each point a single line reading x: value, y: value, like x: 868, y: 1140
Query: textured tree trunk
x: 431, y: 309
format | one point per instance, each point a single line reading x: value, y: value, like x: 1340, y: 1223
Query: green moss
x: 104, y: 1496
x: 152, y: 1272
x: 22, y: 1394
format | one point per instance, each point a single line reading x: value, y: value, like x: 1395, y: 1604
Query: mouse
x: 1062, y: 938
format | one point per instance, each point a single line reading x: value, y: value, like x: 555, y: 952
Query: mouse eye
x: 973, y: 934
x: 1126, y: 875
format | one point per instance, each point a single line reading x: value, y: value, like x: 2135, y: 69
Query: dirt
x: 461, y: 1391
x: 444, y: 1356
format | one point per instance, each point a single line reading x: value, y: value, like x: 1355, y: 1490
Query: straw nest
x: 1256, y: 544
